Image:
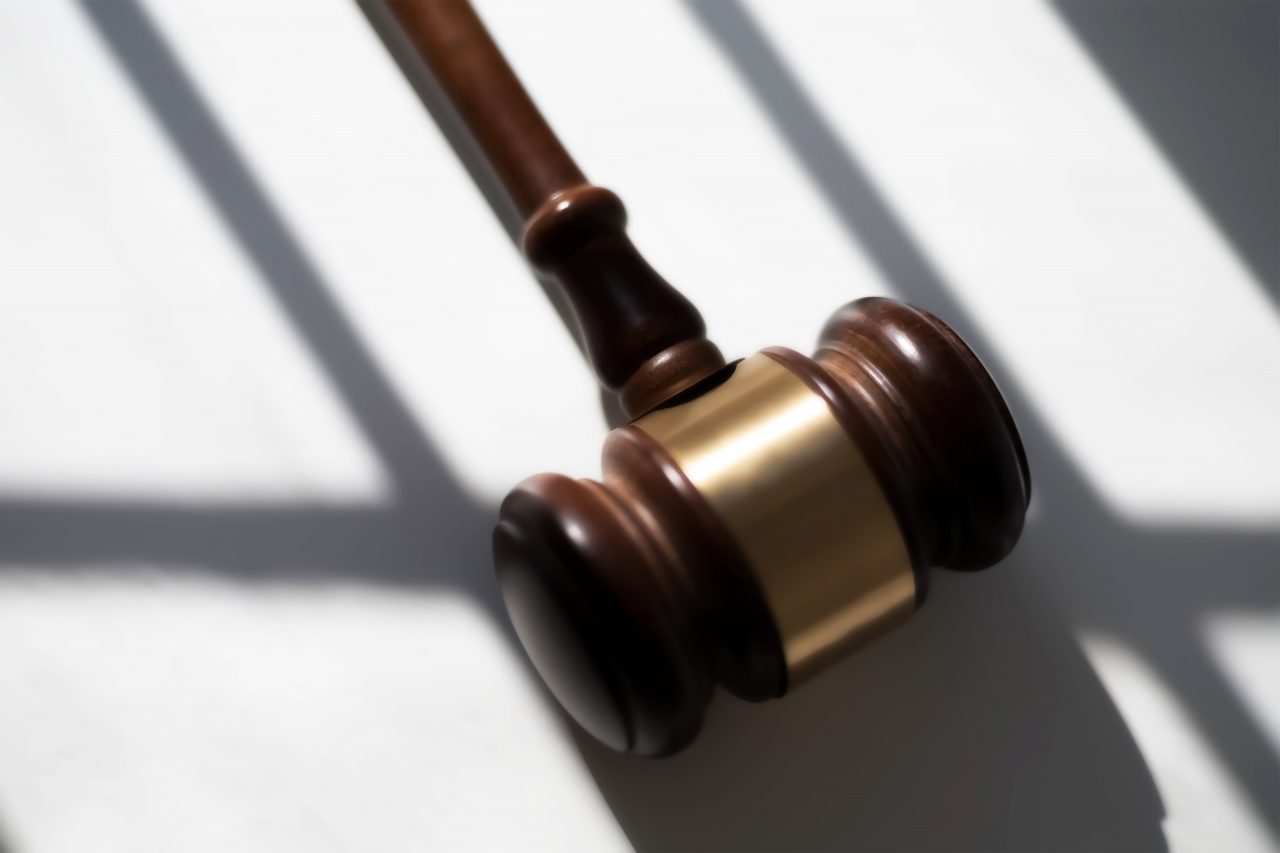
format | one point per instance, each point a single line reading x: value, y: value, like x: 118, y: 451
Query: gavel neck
x: 644, y: 339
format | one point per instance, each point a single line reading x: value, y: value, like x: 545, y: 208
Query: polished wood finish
x: 636, y: 595
x: 632, y: 600
x: 519, y: 146
x: 648, y: 578
x: 929, y: 416
x: 644, y: 340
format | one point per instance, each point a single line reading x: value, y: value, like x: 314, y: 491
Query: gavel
x: 755, y: 520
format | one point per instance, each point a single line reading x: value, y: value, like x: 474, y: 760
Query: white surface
x: 1066, y: 229
x: 1205, y: 805
x: 163, y: 705
x: 327, y: 718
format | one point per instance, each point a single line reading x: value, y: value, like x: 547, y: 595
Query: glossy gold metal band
x: 795, y: 493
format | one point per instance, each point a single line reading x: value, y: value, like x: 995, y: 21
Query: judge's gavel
x: 755, y: 520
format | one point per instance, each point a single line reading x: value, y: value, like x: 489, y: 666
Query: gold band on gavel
x: 796, y: 495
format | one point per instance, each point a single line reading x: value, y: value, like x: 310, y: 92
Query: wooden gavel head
x: 755, y: 520
x: 756, y: 526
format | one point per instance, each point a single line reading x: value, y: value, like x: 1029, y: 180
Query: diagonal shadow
x: 455, y: 131
x: 431, y: 532
x: 1146, y: 585
x: 867, y: 757
x: 1204, y: 79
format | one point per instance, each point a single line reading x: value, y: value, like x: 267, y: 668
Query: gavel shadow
x: 978, y: 725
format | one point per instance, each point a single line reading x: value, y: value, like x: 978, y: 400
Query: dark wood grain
x: 632, y: 600
x: 644, y: 340
x: 516, y: 141
x: 641, y: 562
x: 631, y: 595
x: 946, y: 446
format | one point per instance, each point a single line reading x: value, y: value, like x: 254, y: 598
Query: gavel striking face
x: 755, y: 521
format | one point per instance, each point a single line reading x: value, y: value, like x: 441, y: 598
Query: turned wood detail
x: 644, y: 340
x: 634, y: 600
x: 755, y: 520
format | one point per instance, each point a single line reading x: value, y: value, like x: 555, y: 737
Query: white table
x: 267, y: 364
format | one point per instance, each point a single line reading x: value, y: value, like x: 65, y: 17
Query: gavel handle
x: 519, y: 146
x: 643, y: 338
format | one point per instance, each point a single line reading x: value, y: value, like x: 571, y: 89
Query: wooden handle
x: 643, y: 338
x: 773, y: 514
